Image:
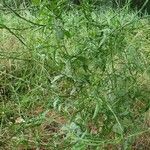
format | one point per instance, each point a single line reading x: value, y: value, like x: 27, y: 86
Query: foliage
x: 73, y: 77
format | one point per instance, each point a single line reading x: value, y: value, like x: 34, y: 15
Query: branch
x: 8, y: 29
x: 29, y: 21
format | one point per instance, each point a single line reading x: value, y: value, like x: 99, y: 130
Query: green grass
x: 80, y: 81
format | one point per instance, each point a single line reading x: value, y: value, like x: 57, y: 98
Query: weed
x: 73, y: 79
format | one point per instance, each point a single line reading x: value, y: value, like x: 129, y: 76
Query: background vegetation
x: 74, y: 76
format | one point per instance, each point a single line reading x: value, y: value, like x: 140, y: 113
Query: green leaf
x: 36, y: 2
x: 96, y: 111
x: 117, y: 129
x: 67, y: 33
x: 59, y: 34
x: 56, y: 78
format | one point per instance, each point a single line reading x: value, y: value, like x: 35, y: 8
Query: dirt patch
x: 142, y: 142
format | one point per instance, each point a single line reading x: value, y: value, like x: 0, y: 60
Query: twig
x: 29, y: 21
x: 5, y: 27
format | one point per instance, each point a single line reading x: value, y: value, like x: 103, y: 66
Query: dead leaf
x: 19, y: 120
